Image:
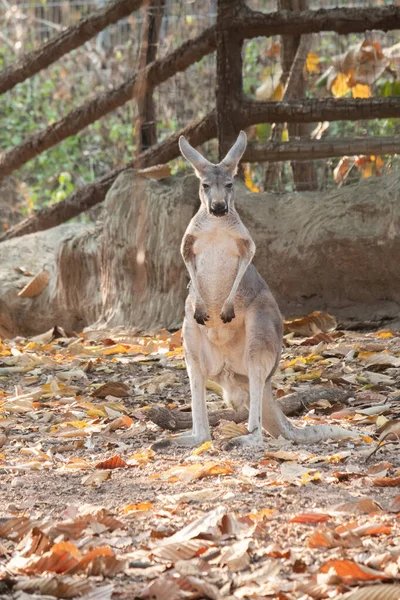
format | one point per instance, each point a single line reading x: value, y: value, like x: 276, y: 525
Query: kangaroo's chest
x: 217, y: 257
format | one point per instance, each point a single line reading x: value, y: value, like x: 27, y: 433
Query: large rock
x: 336, y: 251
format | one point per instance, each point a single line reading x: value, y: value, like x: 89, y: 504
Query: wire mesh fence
x: 357, y: 65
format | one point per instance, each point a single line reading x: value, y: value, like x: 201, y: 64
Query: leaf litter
x: 90, y: 510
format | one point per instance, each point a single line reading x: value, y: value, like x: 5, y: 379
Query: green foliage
x: 42, y: 100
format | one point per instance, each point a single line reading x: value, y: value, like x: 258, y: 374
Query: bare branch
x: 251, y: 24
x: 79, y: 118
x: 300, y: 150
x: 327, y: 109
x: 89, y: 195
x: 68, y: 40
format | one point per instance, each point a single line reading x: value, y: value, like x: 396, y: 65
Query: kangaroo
x: 232, y: 330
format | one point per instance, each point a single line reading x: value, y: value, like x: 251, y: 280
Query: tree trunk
x: 336, y: 252
x: 148, y: 53
x: 304, y: 174
x: 229, y: 90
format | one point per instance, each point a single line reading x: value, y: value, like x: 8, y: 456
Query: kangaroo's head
x: 216, y: 181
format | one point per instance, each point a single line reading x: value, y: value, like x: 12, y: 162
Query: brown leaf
x: 365, y: 505
x: 316, y: 322
x: 182, y: 550
x: 61, y: 558
x: 115, y: 462
x: 69, y: 529
x: 318, y: 591
x: 35, y: 286
x: 156, y: 172
x: 36, y: 543
x: 235, y: 556
x: 162, y: 588
x: 15, y: 528
x: 60, y: 587
x: 234, y: 525
x: 205, y: 589
x: 204, y: 524
x: 374, y: 592
x: 96, y: 478
x: 111, y: 388
x: 317, y: 339
x: 386, y: 481
x: 195, y: 471
x: 227, y: 430
x: 379, y: 468
x: 123, y: 422
x: 389, y: 431
x: 351, y: 572
x: 395, y: 506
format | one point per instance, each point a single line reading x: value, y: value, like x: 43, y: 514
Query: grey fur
x: 232, y: 331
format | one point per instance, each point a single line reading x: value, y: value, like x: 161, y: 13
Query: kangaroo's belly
x: 216, y: 268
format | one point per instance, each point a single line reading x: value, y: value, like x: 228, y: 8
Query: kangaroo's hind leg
x: 261, y: 353
x: 200, y: 358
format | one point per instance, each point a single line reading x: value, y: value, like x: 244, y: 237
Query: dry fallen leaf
x: 194, y: 471
x: 96, y: 478
x: 35, y: 286
x: 374, y: 592
x: 314, y: 323
x: 115, y: 462
x: 204, y: 524
x: 351, y: 572
x: 15, y: 528
x: 310, y: 518
x: 365, y: 505
x: 183, y: 550
x: 111, y: 388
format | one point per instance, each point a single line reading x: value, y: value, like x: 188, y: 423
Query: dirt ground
x: 89, y: 510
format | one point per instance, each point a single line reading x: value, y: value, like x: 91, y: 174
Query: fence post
x: 229, y: 90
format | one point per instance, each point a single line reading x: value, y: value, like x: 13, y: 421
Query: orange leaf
x: 361, y: 91
x: 142, y: 506
x: 321, y: 539
x: 350, y: 571
x: 90, y: 556
x: 310, y: 518
x: 117, y: 349
x: 115, y: 462
x: 312, y: 62
x: 62, y: 557
x: 340, y: 85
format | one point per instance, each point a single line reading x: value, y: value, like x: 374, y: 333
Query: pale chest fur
x: 216, y: 262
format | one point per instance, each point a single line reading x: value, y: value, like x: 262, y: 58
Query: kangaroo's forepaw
x: 200, y: 315
x: 244, y: 441
x: 228, y: 312
x: 189, y: 441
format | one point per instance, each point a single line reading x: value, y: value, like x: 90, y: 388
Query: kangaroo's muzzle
x: 219, y: 210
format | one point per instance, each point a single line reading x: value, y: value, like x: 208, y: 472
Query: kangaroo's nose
x: 219, y: 209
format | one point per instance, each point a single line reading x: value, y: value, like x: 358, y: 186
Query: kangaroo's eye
x: 229, y: 186
x: 206, y: 186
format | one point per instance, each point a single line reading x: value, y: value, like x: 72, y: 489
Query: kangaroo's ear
x: 234, y: 155
x: 198, y: 162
